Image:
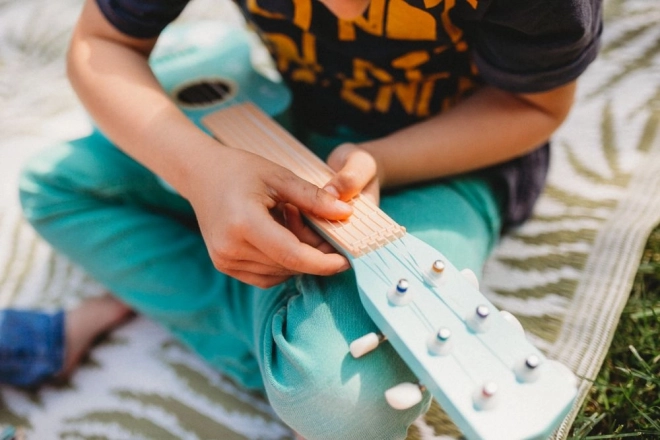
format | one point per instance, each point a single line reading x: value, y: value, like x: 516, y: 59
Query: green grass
x: 624, y: 401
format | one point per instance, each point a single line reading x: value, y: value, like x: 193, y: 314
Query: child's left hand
x: 357, y: 172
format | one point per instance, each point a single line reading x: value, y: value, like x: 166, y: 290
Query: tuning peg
x: 485, y: 397
x: 365, y: 344
x: 512, y: 320
x: 527, y: 370
x: 400, y: 294
x: 469, y: 275
x: 434, y: 273
x: 440, y: 342
x: 404, y: 396
x: 478, y: 322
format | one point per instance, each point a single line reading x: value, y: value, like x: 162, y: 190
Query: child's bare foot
x: 92, y: 318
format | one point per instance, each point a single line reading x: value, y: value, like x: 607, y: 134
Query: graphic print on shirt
x: 422, y: 68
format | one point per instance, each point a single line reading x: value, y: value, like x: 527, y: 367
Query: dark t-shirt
x: 405, y: 60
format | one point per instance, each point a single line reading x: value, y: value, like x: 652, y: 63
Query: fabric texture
x: 31, y: 346
x: 403, y: 61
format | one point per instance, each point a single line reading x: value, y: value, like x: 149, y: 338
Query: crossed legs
x: 115, y: 219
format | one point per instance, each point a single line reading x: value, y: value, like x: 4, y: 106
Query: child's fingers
x: 284, y: 248
x: 356, y: 169
x: 259, y: 280
x: 295, y: 223
x: 289, y: 188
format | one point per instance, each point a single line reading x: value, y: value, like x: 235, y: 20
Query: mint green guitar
x: 474, y: 359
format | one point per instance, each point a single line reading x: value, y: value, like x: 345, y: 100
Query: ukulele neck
x: 245, y: 127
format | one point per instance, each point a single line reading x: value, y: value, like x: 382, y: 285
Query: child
x: 441, y: 109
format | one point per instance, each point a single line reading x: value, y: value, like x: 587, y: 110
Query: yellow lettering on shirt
x: 302, y: 14
x: 364, y: 73
x: 405, y: 93
x: 410, y: 62
x: 254, y: 8
x: 301, y: 63
x: 455, y: 33
x: 414, y: 95
x: 372, y: 24
x: 426, y: 93
x: 405, y: 22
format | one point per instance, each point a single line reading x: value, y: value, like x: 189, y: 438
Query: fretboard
x: 245, y: 127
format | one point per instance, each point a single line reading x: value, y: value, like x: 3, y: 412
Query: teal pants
x: 115, y: 219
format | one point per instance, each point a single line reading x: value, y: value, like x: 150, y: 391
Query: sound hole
x: 206, y: 92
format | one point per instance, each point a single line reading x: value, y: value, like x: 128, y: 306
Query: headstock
x: 474, y: 359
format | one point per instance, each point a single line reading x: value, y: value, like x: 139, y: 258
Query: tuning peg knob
x: 400, y: 294
x: 508, y: 317
x: 469, y: 275
x: 433, y: 275
x: 527, y: 370
x: 485, y: 397
x: 439, y: 343
x: 404, y: 396
x: 479, y: 321
x: 365, y: 344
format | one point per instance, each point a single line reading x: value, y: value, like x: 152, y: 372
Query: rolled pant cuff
x: 31, y: 346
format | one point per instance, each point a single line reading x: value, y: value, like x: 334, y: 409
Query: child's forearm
x: 490, y: 127
x: 232, y: 192
x: 111, y: 75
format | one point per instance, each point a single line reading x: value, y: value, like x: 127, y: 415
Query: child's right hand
x: 239, y: 199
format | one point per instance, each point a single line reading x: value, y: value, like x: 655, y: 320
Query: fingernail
x: 332, y: 190
x: 343, y: 206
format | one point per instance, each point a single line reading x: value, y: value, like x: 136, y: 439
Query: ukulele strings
x: 310, y: 166
x: 357, y: 233
x: 422, y: 316
x: 363, y: 227
x: 317, y: 172
x: 451, y: 302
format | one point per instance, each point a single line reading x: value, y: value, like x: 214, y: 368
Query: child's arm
x: 525, y: 47
x: 232, y: 192
x: 489, y: 127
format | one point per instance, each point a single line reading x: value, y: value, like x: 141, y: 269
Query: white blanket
x: 566, y: 274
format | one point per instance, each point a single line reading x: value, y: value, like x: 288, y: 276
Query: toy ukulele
x: 474, y: 359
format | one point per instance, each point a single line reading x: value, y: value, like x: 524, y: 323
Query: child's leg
x: 112, y: 216
x: 311, y: 379
x: 92, y: 318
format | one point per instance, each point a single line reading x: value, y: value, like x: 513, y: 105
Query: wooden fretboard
x: 245, y: 127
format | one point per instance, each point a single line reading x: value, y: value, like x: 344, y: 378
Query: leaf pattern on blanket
x: 140, y: 384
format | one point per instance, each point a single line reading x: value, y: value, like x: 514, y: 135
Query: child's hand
x: 357, y: 172
x: 239, y: 211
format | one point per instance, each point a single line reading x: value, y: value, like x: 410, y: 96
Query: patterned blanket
x: 566, y: 274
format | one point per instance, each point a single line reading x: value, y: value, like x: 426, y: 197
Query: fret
x: 244, y: 126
